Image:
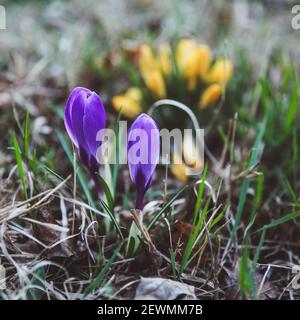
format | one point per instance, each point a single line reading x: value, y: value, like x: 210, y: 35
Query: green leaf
x: 26, y: 135
x: 115, y: 170
x: 292, y: 106
x: 112, y: 217
x: 259, y: 247
x: 20, y: 164
x: 37, y: 276
x: 133, y: 240
x: 186, y: 260
x: 198, y: 221
x: 107, y: 192
x: 246, y: 276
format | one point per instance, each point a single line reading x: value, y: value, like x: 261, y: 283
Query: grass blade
x: 164, y: 208
x: 246, y: 183
x: 26, y: 135
x: 97, y: 282
x: 281, y: 220
x: 112, y: 217
x: 80, y: 174
x: 107, y: 192
x: 115, y: 170
x: 20, y: 164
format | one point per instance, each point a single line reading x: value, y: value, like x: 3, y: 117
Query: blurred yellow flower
x: 190, y: 152
x: 220, y: 72
x: 179, y: 168
x: 192, y: 60
x: 178, y: 171
x: 147, y: 60
x: 205, y: 58
x: 155, y: 82
x: 165, y: 59
x: 129, y: 102
x: 211, y: 95
x: 151, y: 72
x: 184, y: 48
x: 194, y: 63
x: 134, y: 93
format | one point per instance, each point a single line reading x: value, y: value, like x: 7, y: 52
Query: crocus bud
x: 84, y: 117
x: 143, y: 149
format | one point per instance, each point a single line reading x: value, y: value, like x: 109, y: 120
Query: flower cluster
x: 192, y: 62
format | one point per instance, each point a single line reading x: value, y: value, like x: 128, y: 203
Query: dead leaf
x: 49, y: 236
x: 163, y: 289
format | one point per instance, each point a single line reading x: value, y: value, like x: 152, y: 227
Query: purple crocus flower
x: 143, y: 150
x: 84, y: 117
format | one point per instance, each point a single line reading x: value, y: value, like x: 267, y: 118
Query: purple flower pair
x: 85, y: 116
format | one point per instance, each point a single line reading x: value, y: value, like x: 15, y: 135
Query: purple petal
x: 94, y: 121
x: 141, y: 173
x: 77, y: 114
x: 68, y: 113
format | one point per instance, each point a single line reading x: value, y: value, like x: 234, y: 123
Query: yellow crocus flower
x: 211, y: 95
x: 150, y: 71
x: 205, y: 58
x: 134, y: 93
x: 192, y: 60
x: 155, y: 82
x: 220, y: 72
x: 147, y: 60
x: 165, y: 59
x: 187, y: 61
x: 192, y: 159
x: 184, y: 47
x: 178, y: 171
x: 179, y: 168
x: 129, y: 102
